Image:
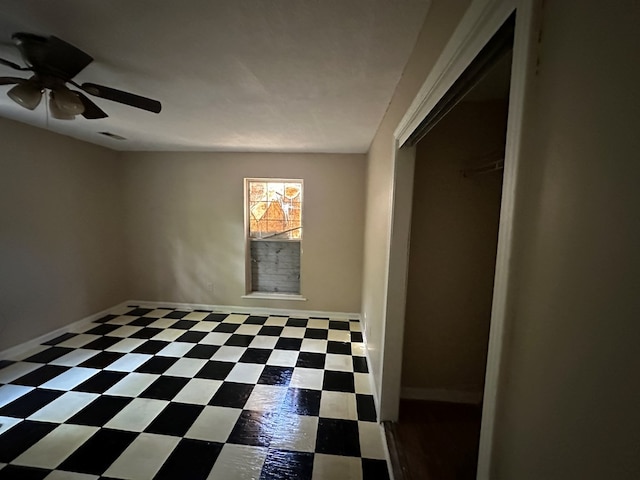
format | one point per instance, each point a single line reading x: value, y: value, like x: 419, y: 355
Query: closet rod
x: 487, y: 168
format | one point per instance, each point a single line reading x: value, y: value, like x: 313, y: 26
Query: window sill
x: 274, y: 296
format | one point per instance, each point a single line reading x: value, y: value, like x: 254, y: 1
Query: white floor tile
x: 263, y: 341
x: 163, y: 323
x: 276, y: 321
x: 248, y: 329
x: 215, y: 338
x: 204, y: 327
x: 132, y: 385
x: 332, y: 467
x: 238, y: 462
x: 126, y: 345
x: 214, y: 424
x: 195, y: 316
x: 125, y: 331
x: 64, y: 407
x: 78, y: 341
x: 355, y: 326
x: 157, y: 313
x: 175, y: 349
x: 169, y: 335
x: 371, y: 445
x: 340, y: 363
x: 129, y: 362
x: 315, y: 323
x: 338, y: 405
x: 235, y: 318
x: 70, y: 379
x: 7, y: 422
x: 266, y: 398
x: 339, y: 336
x: 17, y: 370
x: 61, y: 475
x: 307, y: 378
x: 75, y: 357
x: 122, y: 320
x: 137, y: 416
x: 298, y: 433
x: 143, y: 458
x: 293, y: 332
x: 228, y: 354
x: 283, y: 358
x: 198, y: 391
x: 313, y: 345
x: 362, y: 383
x: 245, y: 373
x: 358, y: 350
x: 186, y: 367
x: 55, y: 447
x: 8, y: 393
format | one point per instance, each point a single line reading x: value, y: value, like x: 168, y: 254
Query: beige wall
x: 185, y: 226
x: 568, y: 402
x: 440, y: 22
x: 454, y: 232
x: 61, y: 243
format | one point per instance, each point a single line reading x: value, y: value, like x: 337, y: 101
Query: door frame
x: 481, y: 21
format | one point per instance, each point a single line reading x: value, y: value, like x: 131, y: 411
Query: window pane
x: 275, y: 209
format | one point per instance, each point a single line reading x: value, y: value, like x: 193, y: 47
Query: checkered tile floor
x: 165, y: 393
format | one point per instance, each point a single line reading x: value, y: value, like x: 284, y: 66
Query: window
x: 274, y: 234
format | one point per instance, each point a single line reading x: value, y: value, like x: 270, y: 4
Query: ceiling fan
x: 54, y: 63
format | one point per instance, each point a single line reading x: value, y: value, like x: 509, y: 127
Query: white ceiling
x: 232, y: 75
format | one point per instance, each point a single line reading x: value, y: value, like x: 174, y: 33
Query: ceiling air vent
x: 112, y: 135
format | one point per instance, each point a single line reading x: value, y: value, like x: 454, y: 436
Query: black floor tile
x: 191, y: 459
x: 214, y: 370
x: 301, y: 401
x: 338, y: 437
x: 279, y: 376
x: 60, y: 339
x: 297, y: 322
x: 288, y: 344
x: 316, y: 333
x: 281, y: 465
x: 151, y: 347
x: 99, y: 452
x: 255, y: 320
x: 254, y: 428
x: 100, y: 382
x: 48, y: 355
x: 103, y: 329
x: 100, y: 411
x: 374, y: 469
x: 311, y: 360
x: 233, y: 395
x: 227, y: 327
x: 142, y: 322
x: 157, y: 365
x: 165, y: 388
x: 175, y: 420
x: 29, y: 403
x: 102, y: 343
x: 102, y: 360
x: 184, y: 324
x: 139, y: 312
x: 106, y: 318
x: 239, y: 340
x: 146, y: 332
x: 338, y: 325
x: 202, y: 351
x: 271, y: 331
x: 255, y: 355
x: 21, y: 437
x: 191, y: 337
x: 215, y: 317
x: 23, y: 473
x: 6, y: 363
x: 360, y: 365
x: 366, y: 408
x: 176, y: 314
x: 340, y: 348
x: 40, y: 375
x: 356, y: 337
x: 338, y: 381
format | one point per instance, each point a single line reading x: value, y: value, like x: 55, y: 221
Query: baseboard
x: 22, y: 348
x: 372, y: 381
x: 247, y: 310
x: 441, y: 395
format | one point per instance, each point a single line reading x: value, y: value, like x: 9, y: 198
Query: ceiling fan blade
x: 15, y: 66
x: 11, y: 80
x: 51, y: 55
x: 122, y: 97
x: 91, y: 110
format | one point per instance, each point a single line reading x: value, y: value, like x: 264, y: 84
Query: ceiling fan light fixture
x: 67, y: 101
x: 57, y: 112
x: 26, y: 95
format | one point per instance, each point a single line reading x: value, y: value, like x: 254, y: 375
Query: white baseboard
x: 22, y: 348
x: 441, y: 395
x: 372, y: 381
x: 247, y: 310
